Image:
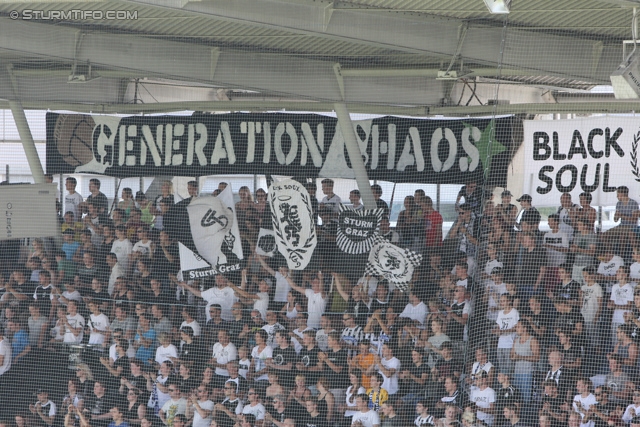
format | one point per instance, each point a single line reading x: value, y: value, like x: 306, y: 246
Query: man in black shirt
x: 335, y: 366
x: 283, y: 358
x: 226, y: 413
x: 551, y: 404
x: 380, y: 204
x: 600, y: 412
x: 506, y: 395
x: 279, y: 412
x: 308, y: 363
x: 313, y: 417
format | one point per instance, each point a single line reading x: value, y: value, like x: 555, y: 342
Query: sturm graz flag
x: 393, y: 263
x: 357, y: 230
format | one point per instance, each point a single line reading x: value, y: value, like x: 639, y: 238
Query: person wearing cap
x: 528, y: 213
x: 505, y: 210
x: 44, y: 410
x: 472, y: 195
x: 260, y: 299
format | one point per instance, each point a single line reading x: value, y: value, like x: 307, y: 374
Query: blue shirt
x: 146, y: 353
x: 19, y: 343
x: 70, y: 249
x: 122, y: 424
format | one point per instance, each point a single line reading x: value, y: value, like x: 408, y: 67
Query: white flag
x: 210, y: 221
x: 266, y: 244
x: 232, y: 243
x: 192, y: 266
x: 293, y: 222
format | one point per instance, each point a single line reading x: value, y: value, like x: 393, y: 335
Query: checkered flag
x: 393, y: 263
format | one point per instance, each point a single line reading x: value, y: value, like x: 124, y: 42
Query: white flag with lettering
x: 210, y: 222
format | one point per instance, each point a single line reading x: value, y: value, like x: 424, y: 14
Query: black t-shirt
x: 284, y: 356
x: 308, y: 421
x: 194, y: 352
x: 409, y: 385
x: 455, y: 330
x: 506, y: 396
x: 569, y: 292
x: 605, y: 409
x: 448, y: 367
x: 309, y: 358
x: 376, y: 305
x: 554, y: 406
x: 280, y: 417
x: 337, y: 380
x: 474, y: 199
x: 568, y: 322
x: 360, y: 311
x: 530, y: 267
x: 222, y: 418
x: 381, y: 204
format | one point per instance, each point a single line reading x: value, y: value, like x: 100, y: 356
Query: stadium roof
x: 379, y: 56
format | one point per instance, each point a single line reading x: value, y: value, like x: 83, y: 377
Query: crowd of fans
x: 503, y: 324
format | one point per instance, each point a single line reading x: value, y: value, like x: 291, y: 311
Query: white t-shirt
x: 223, y: 355
x: 174, y: 407
x: 122, y: 249
x: 49, y: 408
x: 484, y: 399
x: 5, y: 350
x: 225, y: 297
x: 390, y: 383
x: 559, y: 239
x: 333, y: 202
x: 368, y: 419
x: 494, y: 290
x: 143, y: 248
x: 262, y: 304
x: 198, y: 421
x: 590, y: 295
x: 75, y: 321
x: 584, y: 403
x: 164, y: 353
x: 491, y: 264
x: 101, y: 323
x: 418, y: 312
x: 282, y: 288
x: 630, y: 412
x: 193, y: 325
x: 116, y: 272
x: 72, y: 203
x: 351, y: 400
x: 257, y: 411
x: 621, y: 295
x: 316, y: 305
x: 259, y: 360
x: 507, y: 321
x: 634, y: 272
x: 610, y: 268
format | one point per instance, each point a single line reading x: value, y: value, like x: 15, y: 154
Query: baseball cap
x: 218, y: 306
x: 525, y: 197
x: 506, y: 193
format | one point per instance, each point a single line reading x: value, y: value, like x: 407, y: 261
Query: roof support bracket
x: 328, y: 13
x: 215, y: 54
x: 337, y: 70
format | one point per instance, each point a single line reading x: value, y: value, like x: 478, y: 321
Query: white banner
x: 591, y: 155
x: 231, y: 251
x: 293, y: 222
x: 28, y: 210
x: 266, y: 245
x: 192, y: 265
x: 210, y: 221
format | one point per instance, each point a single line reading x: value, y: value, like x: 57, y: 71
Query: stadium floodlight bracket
x: 77, y: 76
x: 498, y: 6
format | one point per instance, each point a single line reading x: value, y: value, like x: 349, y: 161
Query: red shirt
x: 433, y: 228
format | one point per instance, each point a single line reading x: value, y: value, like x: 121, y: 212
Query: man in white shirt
x: 621, y: 301
x: 556, y: 242
x: 316, y: 299
x: 416, y: 310
x: 117, y: 272
x: 607, y: 268
x: 73, y: 324
x: 388, y: 366
x: 507, y: 319
x: 174, y: 406
x: 330, y: 199
x: 72, y: 200
x: 98, y: 325
x: 200, y: 407
x: 365, y: 417
x: 483, y: 397
x: 224, y: 351
x: 220, y: 294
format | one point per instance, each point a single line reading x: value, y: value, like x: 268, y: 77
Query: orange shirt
x: 364, y: 362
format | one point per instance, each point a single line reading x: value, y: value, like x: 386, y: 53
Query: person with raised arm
x: 316, y: 299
